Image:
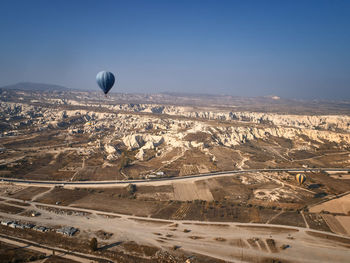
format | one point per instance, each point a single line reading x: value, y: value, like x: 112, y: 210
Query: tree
x: 131, y: 188
x: 93, y: 244
x: 124, y: 161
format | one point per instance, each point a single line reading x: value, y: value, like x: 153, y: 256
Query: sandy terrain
x: 226, y: 241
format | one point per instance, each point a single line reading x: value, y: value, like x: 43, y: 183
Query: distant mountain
x: 35, y: 87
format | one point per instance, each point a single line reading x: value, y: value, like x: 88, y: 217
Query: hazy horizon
x: 291, y: 49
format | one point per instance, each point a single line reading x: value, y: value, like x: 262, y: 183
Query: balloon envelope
x: 300, y: 178
x: 105, y: 80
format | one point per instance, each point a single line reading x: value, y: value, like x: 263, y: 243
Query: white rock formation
x: 146, y: 141
x: 109, y: 149
x: 147, y: 132
x: 140, y: 154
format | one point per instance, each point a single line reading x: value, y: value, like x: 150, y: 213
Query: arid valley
x: 173, y: 177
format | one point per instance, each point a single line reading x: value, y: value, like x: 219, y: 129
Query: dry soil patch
x: 339, y: 205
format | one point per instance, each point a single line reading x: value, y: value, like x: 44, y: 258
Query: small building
x: 21, y: 226
x: 151, y: 176
x: 13, y: 225
x: 67, y: 230
x: 6, y: 222
x: 28, y: 225
x: 41, y: 229
x: 156, y: 175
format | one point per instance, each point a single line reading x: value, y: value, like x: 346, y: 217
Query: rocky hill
x: 31, y: 86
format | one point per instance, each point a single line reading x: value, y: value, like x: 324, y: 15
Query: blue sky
x: 293, y: 49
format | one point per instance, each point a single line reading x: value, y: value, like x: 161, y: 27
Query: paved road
x: 169, y: 179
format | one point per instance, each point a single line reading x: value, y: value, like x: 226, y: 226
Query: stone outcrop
x: 110, y: 149
x: 146, y: 141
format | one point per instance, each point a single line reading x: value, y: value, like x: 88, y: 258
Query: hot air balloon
x: 301, y: 178
x: 105, y: 80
